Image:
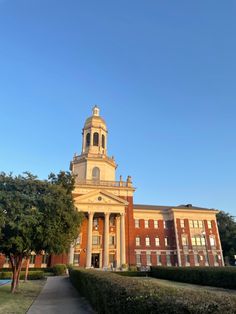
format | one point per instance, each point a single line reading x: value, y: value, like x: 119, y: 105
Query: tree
x: 227, y: 231
x: 36, y: 215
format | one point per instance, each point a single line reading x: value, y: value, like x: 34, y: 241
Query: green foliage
x: 133, y: 273
x: 45, y: 270
x: 224, y: 277
x: 59, y: 269
x: 133, y: 268
x: 32, y: 275
x: 227, y: 231
x: 109, y: 293
x: 36, y: 215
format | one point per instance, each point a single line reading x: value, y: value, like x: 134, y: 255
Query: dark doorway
x: 95, y: 260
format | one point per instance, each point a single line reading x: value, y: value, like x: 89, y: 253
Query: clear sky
x: 162, y: 72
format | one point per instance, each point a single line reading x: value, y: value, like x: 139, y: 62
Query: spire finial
x: 96, y: 111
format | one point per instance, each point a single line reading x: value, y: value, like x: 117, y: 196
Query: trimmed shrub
x: 59, y: 269
x: 109, y: 293
x: 46, y: 269
x: 224, y: 277
x: 133, y: 273
x: 32, y: 275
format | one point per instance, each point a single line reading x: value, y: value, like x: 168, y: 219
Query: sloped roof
x: 162, y: 207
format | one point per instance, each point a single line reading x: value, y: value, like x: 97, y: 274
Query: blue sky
x: 162, y: 72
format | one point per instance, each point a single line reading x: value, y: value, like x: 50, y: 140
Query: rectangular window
x: 147, y: 241
x: 198, y: 241
x: 195, y: 224
x: 148, y: 259
x: 138, y: 259
x: 157, y: 241
x: 193, y: 241
x: 212, y: 241
x: 112, y: 221
x: 209, y: 224
x: 164, y: 224
x: 146, y: 223
x: 137, y: 241
x: 187, y: 260
x: 203, y: 240
x: 78, y: 240
x: 216, y: 258
x: 196, y: 262
x: 136, y: 221
x: 168, y: 261
x: 32, y: 258
x: 76, y: 259
x: 182, y: 223
x: 95, y: 222
x: 111, y: 240
x: 112, y: 258
x: 96, y: 240
x: 184, y: 240
x: 45, y: 258
x: 200, y: 224
x: 156, y: 224
x: 158, y: 259
x: 190, y: 224
x: 166, y: 241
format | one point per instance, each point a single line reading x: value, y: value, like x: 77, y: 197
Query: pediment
x: 100, y: 198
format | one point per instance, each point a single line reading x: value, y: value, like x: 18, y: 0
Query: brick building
x: 115, y: 231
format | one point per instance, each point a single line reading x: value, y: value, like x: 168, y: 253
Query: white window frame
x: 137, y: 241
x: 147, y: 241
x: 157, y: 241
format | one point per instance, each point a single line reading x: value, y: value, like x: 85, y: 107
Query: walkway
x: 60, y: 297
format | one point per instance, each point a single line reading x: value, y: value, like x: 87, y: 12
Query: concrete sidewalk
x: 60, y: 297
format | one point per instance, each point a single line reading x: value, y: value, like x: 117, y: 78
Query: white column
x: 122, y: 239
x: 106, y: 240
x: 89, y: 240
x: 71, y: 254
x: 118, y: 241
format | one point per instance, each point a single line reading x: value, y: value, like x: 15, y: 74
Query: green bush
x: 133, y: 273
x: 59, y: 269
x: 224, y: 277
x: 32, y: 275
x: 109, y: 293
x: 46, y: 269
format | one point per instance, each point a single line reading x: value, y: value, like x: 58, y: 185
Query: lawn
x: 19, y: 302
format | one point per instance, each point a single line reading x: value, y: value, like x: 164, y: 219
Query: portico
x: 105, y: 229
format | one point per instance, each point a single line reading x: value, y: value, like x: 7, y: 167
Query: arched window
x: 95, y: 139
x: 88, y: 139
x: 96, y: 174
x: 103, y: 141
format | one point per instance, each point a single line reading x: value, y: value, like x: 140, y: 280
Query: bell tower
x: 93, y: 164
x: 95, y: 135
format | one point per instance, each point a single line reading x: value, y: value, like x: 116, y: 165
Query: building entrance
x: 95, y: 260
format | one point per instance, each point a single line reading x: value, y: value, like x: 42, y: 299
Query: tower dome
x: 95, y: 134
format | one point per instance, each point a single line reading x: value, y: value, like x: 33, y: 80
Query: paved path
x: 60, y: 297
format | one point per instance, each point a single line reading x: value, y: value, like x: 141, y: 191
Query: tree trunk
x: 16, y: 262
x: 27, y: 268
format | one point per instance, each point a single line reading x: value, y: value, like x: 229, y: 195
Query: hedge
x: 224, y: 277
x: 109, y: 293
x: 59, y: 269
x: 133, y: 273
x: 46, y: 269
x: 32, y: 275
